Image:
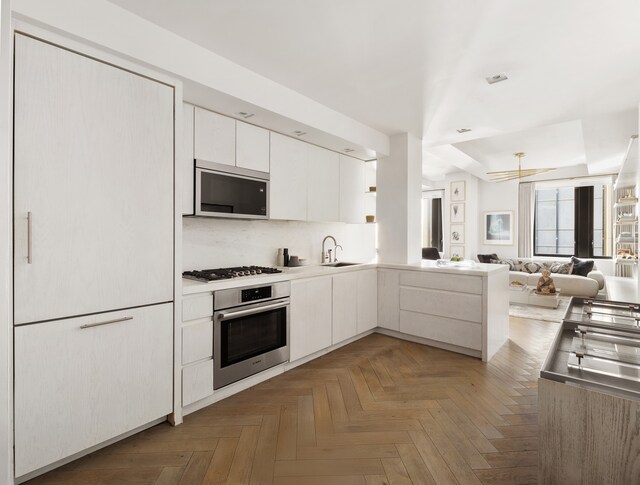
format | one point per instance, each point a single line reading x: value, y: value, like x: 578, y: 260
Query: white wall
x: 6, y: 327
x: 214, y: 243
x: 494, y: 196
x: 399, y: 201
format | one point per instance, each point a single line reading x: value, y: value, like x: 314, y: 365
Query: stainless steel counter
x: 598, y: 347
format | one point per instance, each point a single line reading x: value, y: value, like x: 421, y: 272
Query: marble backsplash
x: 214, y: 243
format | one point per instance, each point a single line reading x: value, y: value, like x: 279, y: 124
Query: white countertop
x: 190, y: 287
x: 479, y: 269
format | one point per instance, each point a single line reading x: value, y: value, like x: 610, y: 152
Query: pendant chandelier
x: 504, y: 175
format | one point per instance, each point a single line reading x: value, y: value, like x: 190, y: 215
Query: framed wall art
x: 498, y: 228
x: 457, y: 213
x: 457, y: 233
x: 458, y: 191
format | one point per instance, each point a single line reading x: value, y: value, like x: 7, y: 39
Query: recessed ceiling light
x: 463, y: 130
x: 299, y: 133
x: 244, y: 114
x: 496, y: 78
x: 348, y: 150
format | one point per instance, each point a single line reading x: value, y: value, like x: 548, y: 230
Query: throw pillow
x: 558, y: 267
x: 582, y: 268
x: 533, y: 267
x: 503, y: 261
x: 517, y: 265
x: 486, y: 258
x: 514, y: 264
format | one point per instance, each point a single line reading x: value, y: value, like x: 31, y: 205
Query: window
x: 572, y: 221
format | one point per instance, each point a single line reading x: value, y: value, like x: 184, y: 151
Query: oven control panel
x: 253, y: 294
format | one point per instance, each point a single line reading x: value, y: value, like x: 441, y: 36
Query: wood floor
x: 378, y: 411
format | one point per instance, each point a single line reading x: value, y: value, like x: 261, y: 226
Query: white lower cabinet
x: 389, y: 299
x: 345, y: 306
x: 197, y: 341
x: 197, y: 347
x: 197, y: 381
x: 310, y: 325
x: 82, y: 381
x: 367, y: 287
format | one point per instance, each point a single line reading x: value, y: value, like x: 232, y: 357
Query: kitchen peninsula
x: 462, y: 309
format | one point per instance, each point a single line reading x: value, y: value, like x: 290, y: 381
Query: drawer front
x: 197, y: 306
x: 197, y: 341
x: 442, y: 329
x: 459, y: 306
x: 76, y: 387
x: 197, y: 382
x: 442, y: 281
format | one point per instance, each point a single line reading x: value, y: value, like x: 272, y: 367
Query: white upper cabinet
x: 352, y: 188
x: 307, y: 183
x: 252, y: 147
x: 323, y: 175
x: 288, y: 186
x: 187, y: 158
x: 93, y: 185
x: 215, y: 137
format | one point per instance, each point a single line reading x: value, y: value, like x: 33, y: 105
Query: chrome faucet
x: 335, y: 256
x: 326, y: 256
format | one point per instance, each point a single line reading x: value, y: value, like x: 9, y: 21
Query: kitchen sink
x: 340, y: 264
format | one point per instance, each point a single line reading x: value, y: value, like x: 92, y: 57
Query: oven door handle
x: 243, y: 313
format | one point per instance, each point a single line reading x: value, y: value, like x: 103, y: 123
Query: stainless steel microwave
x: 227, y: 191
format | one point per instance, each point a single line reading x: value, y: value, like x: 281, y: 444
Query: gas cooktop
x: 228, y: 273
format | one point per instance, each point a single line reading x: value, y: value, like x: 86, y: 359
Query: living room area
x: 564, y: 228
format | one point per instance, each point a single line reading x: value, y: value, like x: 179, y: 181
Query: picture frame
x: 456, y: 233
x: 498, y: 227
x: 458, y: 191
x: 456, y: 213
x: 456, y: 250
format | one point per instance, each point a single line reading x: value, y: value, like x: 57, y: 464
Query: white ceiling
x: 419, y: 66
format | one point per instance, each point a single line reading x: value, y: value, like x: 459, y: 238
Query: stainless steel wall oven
x: 250, y: 331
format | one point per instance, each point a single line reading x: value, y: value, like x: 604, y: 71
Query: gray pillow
x: 559, y: 268
x: 580, y: 267
x: 532, y: 267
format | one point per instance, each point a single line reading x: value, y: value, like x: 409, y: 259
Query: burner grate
x: 228, y: 273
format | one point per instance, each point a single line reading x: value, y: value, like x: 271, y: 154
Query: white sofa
x: 569, y: 285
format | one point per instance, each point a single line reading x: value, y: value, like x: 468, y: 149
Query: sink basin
x: 340, y: 264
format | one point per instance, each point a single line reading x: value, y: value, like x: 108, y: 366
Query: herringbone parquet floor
x: 377, y: 411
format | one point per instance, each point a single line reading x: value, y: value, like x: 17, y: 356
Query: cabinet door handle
x: 29, y: 243
x: 107, y: 322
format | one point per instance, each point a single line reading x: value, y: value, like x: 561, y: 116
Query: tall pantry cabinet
x: 93, y: 252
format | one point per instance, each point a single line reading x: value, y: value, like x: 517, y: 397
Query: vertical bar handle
x: 29, y: 243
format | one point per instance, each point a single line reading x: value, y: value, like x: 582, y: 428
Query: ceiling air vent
x: 299, y: 133
x: 348, y: 150
x: 463, y: 130
x: 244, y: 114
